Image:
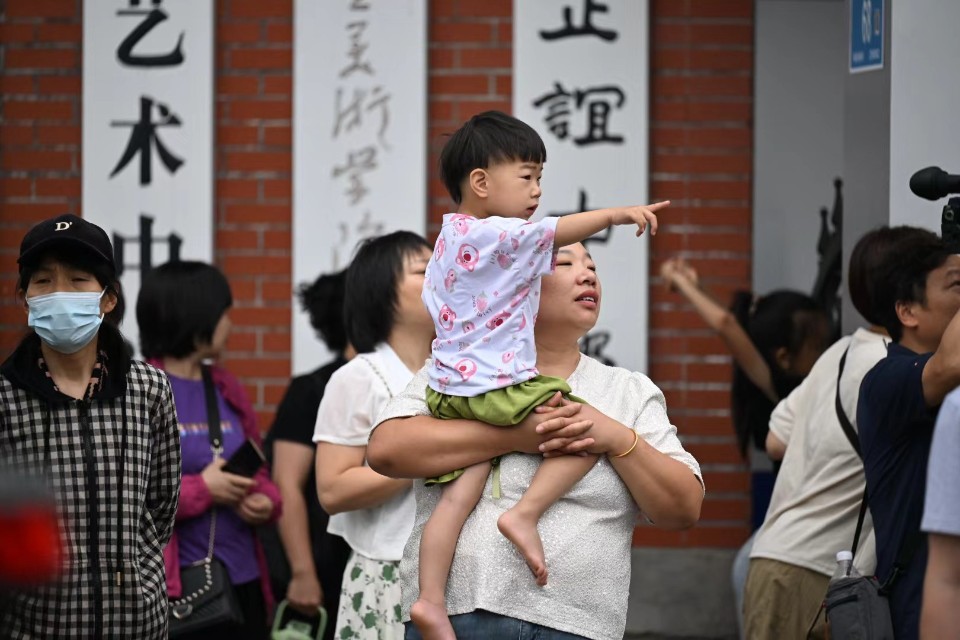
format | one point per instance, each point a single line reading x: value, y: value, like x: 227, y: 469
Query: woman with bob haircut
x: 101, y: 431
x: 183, y: 313
x: 389, y: 327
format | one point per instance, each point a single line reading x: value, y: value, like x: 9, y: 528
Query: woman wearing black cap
x: 101, y: 429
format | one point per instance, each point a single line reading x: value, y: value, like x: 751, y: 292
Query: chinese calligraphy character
x: 154, y: 17
x: 598, y: 102
x: 144, y: 136
x: 586, y: 29
x: 359, y: 5
x: 358, y: 162
x: 357, y: 50
x: 602, y: 237
x: 593, y: 345
x: 146, y: 241
x: 367, y: 228
x: 350, y: 116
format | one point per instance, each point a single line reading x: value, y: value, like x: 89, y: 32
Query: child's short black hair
x: 370, y: 301
x: 487, y: 138
x: 179, y: 306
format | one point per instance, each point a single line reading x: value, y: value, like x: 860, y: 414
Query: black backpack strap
x: 845, y: 424
x: 214, y: 429
x: 854, y: 439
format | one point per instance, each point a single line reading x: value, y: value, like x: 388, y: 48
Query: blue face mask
x: 66, y: 320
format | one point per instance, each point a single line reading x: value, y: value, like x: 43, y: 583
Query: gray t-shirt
x: 940, y: 512
x: 586, y: 535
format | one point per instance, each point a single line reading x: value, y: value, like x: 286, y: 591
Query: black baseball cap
x: 68, y: 232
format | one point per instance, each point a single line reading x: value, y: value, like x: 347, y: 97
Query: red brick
x: 11, y: 85
x: 700, y: 163
x: 237, y: 85
x: 721, y: 8
x: 277, y: 189
x: 505, y: 33
x: 440, y: 58
x: 700, y: 425
x: 459, y: 84
x: 257, y: 265
x: 60, y: 84
x: 229, y: 33
x: 236, y: 189
x: 34, y: 160
x: 42, y: 58
x: 60, y: 33
x: 242, y: 342
x: 31, y: 211
x: 261, y: 58
x: 670, y: 9
x: 51, y: 134
x: 273, y: 393
x: 441, y: 9
x: 729, y: 137
x: 260, y: 316
x: 14, y: 188
x: 279, y: 33
x: 671, y: 34
x: 243, y: 289
x: 237, y: 135
x: 15, y: 135
x: 737, y: 216
x: 277, y: 291
x: 258, y: 213
x: 485, y: 8
x: 36, y: 110
x: 712, y: 453
x: 729, y: 34
x: 10, y: 33
x: 260, y: 367
x: 460, y: 32
x: 725, y: 509
x: 62, y: 187
x: 261, y: 110
x: 721, y: 59
x: 277, y: 136
x: 733, y: 242
x: 277, y: 240
x: 276, y: 343
x: 727, y: 482
x: 720, y: 190
x: 278, y: 84
x: 261, y: 8
x: 468, y: 108
x: 440, y: 111
x: 258, y: 161
x: 231, y: 239
x: 41, y: 9
x: 486, y: 58
x: 720, y: 111
x: 727, y: 85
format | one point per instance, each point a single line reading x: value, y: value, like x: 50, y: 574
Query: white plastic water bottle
x: 845, y: 568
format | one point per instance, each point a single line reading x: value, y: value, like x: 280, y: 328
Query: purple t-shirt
x: 233, y: 544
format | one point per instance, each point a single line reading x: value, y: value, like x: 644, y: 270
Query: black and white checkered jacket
x: 113, y: 463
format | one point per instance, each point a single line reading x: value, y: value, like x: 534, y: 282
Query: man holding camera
x: 899, y: 401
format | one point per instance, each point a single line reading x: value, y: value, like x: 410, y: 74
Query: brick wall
x: 701, y: 144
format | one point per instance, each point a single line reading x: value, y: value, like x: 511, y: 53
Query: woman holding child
x: 585, y: 506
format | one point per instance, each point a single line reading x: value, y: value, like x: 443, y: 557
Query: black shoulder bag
x: 207, y: 598
x: 857, y: 606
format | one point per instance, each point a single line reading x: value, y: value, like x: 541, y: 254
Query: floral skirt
x: 370, y: 600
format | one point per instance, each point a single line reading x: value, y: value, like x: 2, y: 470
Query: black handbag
x: 208, y: 598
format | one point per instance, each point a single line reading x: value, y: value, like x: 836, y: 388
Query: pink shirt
x: 482, y: 290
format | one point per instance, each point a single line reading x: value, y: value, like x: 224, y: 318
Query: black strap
x: 910, y: 543
x: 214, y: 430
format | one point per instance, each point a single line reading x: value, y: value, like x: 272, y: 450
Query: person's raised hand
x: 642, y: 216
x: 675, y: 269
x: 225, y: 488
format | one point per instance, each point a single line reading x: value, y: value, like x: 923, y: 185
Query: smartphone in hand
x: 246, y: 460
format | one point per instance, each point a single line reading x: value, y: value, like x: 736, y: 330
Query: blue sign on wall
x: 866, y: 35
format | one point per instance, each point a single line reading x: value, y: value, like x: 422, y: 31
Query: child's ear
x: 782, y: 357
x: 478, y: 182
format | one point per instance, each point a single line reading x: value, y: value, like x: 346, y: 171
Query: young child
x: 482, y: 289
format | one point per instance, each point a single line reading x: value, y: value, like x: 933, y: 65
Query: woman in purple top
x: 183, y: 316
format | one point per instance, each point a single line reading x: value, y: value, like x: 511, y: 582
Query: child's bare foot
x: 522, y: 532
x: 431, y: 621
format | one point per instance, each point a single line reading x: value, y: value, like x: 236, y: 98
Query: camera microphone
x: 934, y: 183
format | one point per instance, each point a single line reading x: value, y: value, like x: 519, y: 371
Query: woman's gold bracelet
x: 636, y: 439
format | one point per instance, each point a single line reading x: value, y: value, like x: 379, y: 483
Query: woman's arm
x: 345, y: 484
x: 941, y: 590
x: 424, y: 446
x: 163, y: 491
x: 292, y: 462
x: 665, y: 489
x: 683, y: 278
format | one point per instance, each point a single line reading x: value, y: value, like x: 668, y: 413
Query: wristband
x: 636, y: 439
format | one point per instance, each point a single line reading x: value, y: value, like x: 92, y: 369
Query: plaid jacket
x: 113, y: 463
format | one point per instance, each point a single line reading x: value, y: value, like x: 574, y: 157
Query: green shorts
x: 504, y: 407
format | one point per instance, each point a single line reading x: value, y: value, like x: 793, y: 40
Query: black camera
x: 950, y: 225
